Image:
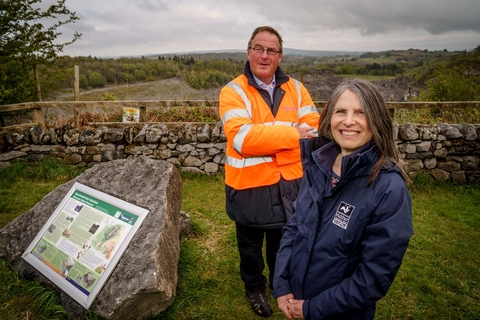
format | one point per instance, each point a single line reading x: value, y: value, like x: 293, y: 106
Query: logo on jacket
x: 290, y: 109
x: 342, y: 216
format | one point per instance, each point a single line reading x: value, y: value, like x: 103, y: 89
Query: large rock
x: 145, y: 279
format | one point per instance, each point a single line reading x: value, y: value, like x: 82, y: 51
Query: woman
x: 344, y: 245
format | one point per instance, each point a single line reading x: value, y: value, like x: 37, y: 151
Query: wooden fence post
x: 76, y: 95
x: 37, y: 83
x: 38, y: 116
x: 143, y: 114
x: 76, y: 83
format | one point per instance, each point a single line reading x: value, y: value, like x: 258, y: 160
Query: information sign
x: 131, y: 114
x: 81, y: 243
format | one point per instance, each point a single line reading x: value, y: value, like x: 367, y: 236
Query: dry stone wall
x: 446, y: 152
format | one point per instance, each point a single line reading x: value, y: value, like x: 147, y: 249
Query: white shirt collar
x: 264, y: 85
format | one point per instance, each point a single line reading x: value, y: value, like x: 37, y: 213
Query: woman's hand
x: 294, y: 308
x: 282, y: 304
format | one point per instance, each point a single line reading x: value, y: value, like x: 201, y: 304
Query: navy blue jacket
x: 343, y: 246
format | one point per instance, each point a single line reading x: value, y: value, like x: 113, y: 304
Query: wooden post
x: 392, y: 110
x: 143, y: 114
x: 76, y: 83
x: 38, y: 116
x: 76, y: 95
x: 37, y: 83
x: 76, y: 116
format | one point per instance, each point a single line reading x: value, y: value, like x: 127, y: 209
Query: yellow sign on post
x: 131, y: 114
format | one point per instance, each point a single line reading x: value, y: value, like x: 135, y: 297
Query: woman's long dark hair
x: 379, y: 121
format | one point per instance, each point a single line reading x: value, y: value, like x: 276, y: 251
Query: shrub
x: 96, y: 80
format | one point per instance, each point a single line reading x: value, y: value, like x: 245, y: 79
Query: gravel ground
x: 167, y: 89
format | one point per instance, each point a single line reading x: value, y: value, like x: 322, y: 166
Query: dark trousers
x: 250, y: 243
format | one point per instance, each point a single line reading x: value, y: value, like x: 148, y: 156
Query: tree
x: 96, y: 80
x: 28, y: 37
x: 457, y: 80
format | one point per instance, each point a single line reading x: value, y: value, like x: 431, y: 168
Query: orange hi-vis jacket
x: 262, y: 147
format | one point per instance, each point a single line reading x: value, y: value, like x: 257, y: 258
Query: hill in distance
x: 287, y: 51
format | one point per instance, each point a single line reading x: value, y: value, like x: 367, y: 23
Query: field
x: 439, y: 277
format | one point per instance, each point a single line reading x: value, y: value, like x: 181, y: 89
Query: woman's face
x: 349, y: 123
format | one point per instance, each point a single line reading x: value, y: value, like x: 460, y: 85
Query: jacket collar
x: 322, y: 152
x: 280, y: 77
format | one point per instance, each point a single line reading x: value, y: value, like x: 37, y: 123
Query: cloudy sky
x: 140, y: 27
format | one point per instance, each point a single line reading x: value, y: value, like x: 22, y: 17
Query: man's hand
x: 305, y: 132
x: 282, y: 304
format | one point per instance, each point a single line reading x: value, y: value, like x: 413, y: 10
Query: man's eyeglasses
x: 261, y: 50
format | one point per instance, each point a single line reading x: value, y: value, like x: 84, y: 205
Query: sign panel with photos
x: 83, y: 240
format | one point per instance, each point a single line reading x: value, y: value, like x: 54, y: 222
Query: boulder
x: 145, y: 279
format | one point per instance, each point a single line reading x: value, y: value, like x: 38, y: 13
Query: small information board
x: 81, y: 243
x: 131, y: 114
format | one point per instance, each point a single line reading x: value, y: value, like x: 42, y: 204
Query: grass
x: 22, y: 185
x: 439, y: 277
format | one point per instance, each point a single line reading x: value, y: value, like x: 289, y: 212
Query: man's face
x: 263, y: 65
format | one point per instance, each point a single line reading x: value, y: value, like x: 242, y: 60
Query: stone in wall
x: 7, y: 156
x: 187, y: 134
x: 71, y: 137
x: 407, y: 132
x: 449, y: 131
x: 38, y: 135
x: 133, y: 135
x: 196, y: 145
x: 218, y: 134
x: 428, y: 133
x: 73, y: 159
x: 155, y: 132
x: 111, y: 155
x: 468, y: 131
x: 162, y: 154
x: 440, y: 153
x: 430, y: 163
x: 192, y: 162
x: 211, y: 168
x: 459, y: 177
x: 449, y: 166
x: 114, y: 135
x: 34, y: 157
x: 468, y: 162
x: 423, y: 146
x: 91, y: 136
x: 413, y: 165
x: 439, y: 175
x: 204, y: 134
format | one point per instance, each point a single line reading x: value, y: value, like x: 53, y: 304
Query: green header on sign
x: 104, y: 207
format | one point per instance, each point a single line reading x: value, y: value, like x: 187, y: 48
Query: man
x: 264, y: 114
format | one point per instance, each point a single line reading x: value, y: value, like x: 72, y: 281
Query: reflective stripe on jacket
x: 260, y: 149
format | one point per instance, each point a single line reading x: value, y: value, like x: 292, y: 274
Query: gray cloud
x: 126, y: 27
